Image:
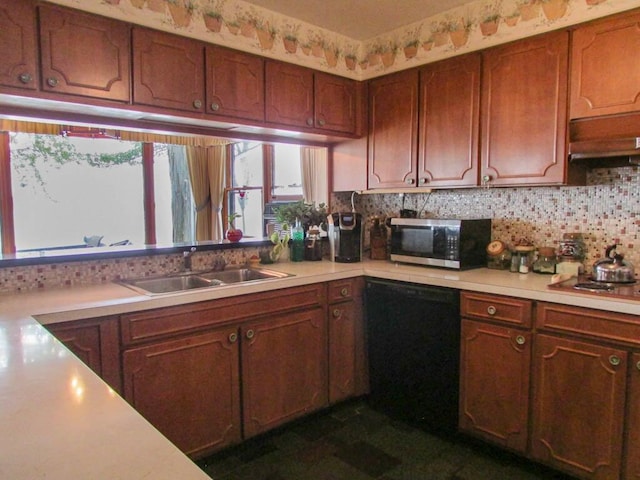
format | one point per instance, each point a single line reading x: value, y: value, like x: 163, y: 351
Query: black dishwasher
x: 414, y: 343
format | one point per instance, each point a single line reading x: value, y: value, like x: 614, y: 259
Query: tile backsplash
x: 606, y: 211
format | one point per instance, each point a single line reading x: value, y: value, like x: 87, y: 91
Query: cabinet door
x: 168, y: 71
x: 449, y: 122
x: 632, y: 453
x: 604, y: 79
x: 18, y: 44
x: 84, y: 54
x: 284, y: 369
x: 95, y: 342
x: 348, y: 372
x: 524, y: 110
x: 494, y: 383
x: 393, y: 130
x: 188, y: 389
x: 336, y: 100
x: 289, y: 95
x: 235, y: 84
x: 579, y: 398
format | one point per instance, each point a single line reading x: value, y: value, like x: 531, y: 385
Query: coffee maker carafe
x: 346, y: 240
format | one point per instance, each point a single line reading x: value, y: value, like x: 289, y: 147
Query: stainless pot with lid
x: 613, y: 268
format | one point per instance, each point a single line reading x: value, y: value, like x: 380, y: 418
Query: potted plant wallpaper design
x: 247, y: 27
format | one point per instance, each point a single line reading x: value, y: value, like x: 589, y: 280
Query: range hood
x: 605, y: 141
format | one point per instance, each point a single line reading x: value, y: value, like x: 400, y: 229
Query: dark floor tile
x: 256, y: 450
x: 316, y: 452
x: 317, y: 427
x: 367, y: 458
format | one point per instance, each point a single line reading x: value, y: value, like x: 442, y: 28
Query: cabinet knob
x: 250, y: 334
x: 614, y: 360
x: 410, y: 181
x: 233, y: 337
x: 25, y: 78
x: 344, y: 292
x: 310, y: 121
x: 638, y: 365
x: 52, y: 81
x: 486, y: 179
x: 215, y: 107
x: 197, y: 104
x: 322, y: 122
x: 337, y: 313
x: 520, y: 340
x: 423, y: 181
x: 491, y: 310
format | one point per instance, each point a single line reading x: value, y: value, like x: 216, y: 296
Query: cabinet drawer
x: 347, y: 289
x: 151, y: 324
x: 616, y: 327
x: 494, y: 307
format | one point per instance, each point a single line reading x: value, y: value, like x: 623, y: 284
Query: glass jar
x: 378, y: 240
x: 523, y: 259
x: 498, y: 256
x: 546, y: 261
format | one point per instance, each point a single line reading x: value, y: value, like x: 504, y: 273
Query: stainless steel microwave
x: 457, y: 243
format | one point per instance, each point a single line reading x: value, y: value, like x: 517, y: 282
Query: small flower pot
x: 213, y: 24
x: 234, y: 235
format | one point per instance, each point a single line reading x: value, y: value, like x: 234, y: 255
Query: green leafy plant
x: 308, y: 214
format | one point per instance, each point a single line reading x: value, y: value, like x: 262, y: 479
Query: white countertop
x: 61, y: 421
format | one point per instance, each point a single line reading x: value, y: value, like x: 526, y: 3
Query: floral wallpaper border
x: 240, y: 25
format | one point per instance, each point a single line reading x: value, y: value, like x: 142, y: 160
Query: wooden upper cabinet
x: 289, y: 95
x: 449, y: 122
x: 18, y: 44
x: 235, y: 84
x: 336, y: 103
x: 168, y: 71
x: 84, y: 54
x: 393, y: 130
x: 524, y: 111
x: 605, y: 73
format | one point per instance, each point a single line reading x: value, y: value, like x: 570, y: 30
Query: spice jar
x: 498, y: 256
x: 378, y: 240
x: 546, y: 261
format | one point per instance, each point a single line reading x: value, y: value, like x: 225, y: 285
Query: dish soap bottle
x: 297, y: 242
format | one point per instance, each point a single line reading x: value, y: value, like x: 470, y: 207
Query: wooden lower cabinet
x: 188, y: 388
x: 494, y: 383
x: 348, y: 369
x: 631, y: 465
x: 284, y: 369
x: 95, y: 342
x: 578, y: 406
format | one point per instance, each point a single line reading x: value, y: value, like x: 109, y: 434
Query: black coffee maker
x: 345, y: 237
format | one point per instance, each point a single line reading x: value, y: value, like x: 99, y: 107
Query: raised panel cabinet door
x: 605, y: 79
x: 449, y: 122
x: 235, y: 84
x: 494, y: 383
x: 188, y: 388
x: 168, y: 71
x: 18, y: 44
x: 336, y: 102
x: 524, y: 111
x: 393, y: 130
x: 632, y: 453
x: 578, y: 406
x: 284, y: 369
x: 84, y: 54
x: 289, y: 95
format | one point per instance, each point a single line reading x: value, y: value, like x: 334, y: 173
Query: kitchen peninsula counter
x: 60, y: 420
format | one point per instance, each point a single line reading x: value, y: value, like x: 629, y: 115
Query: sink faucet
x: 186, y: 256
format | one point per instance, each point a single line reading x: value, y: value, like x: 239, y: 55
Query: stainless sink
x: 196, y: 280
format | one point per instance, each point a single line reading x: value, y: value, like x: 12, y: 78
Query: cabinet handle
x: 344, y: 292
x: 614, y: 360
x: 337, y: 313
x: 321, y: 122
x: 25, y: 78
x: 215, y: 107
x: 233, y: 337
x: 491, y: 310
x: 52, y: 82
x: 423, y: 181
x: 197, y: 104
x: 410, y: 181
x: 310, y: 121
x: 250, y: 334
x: 638, y: 365
x: 520, y: 340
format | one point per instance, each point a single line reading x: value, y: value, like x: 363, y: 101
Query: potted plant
x: 233, y: 234
x: 212, y: 16
x: 181, y: 11
x: 307, y: 213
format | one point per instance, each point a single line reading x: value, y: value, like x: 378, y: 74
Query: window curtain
x: 314, y: 168
x: 207, y: 174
